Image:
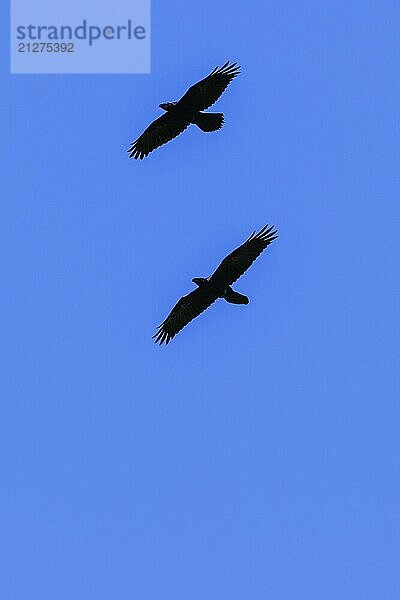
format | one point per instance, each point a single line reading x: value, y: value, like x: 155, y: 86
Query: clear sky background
x: 258, y: 455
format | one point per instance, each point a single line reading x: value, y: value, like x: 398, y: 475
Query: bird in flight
x: 179, y: 115
x: 217, y: 285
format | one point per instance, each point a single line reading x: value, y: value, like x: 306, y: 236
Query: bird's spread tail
x: 234, y: 297
x: 209, y: 121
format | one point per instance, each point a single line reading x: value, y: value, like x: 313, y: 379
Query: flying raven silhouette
x: 217, y: 285
x: 179, y: 115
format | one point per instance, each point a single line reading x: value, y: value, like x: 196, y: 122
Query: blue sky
x: 258, y: 455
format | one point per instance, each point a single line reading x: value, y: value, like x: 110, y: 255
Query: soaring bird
x: 179, y: 115
x: 217, y: 285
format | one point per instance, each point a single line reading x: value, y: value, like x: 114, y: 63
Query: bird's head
x: 199, y: 281
x: 167, y: 105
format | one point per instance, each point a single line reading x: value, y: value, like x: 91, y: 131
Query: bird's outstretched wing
x: 238, y: 261
x: 161, y: 131
x: 185, y: 310
x: 204, y: 93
